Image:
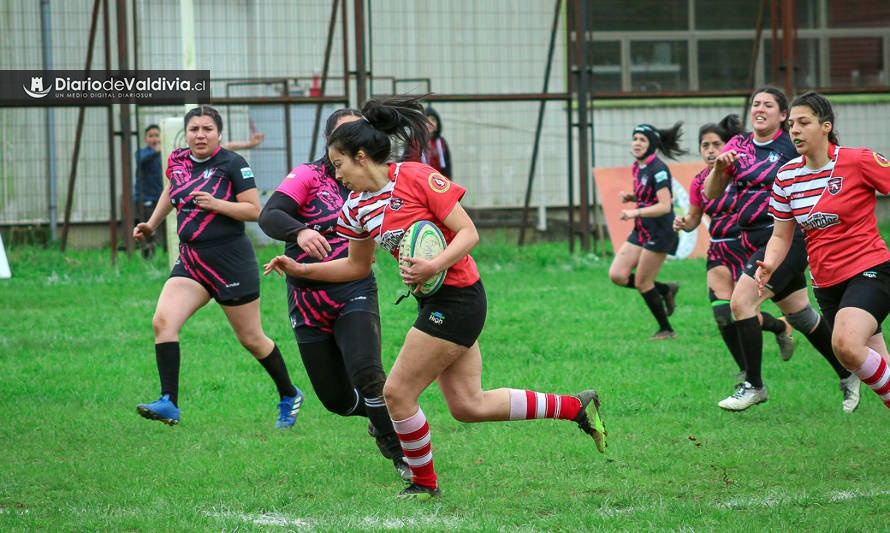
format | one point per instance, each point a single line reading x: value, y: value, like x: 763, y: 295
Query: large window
x: 724, y: 65
x: 622, y: 15
x: 857, y: 62
x: 659, y: 66
x: 701, y: 45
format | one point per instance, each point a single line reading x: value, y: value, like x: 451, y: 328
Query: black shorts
x: 313, y: 311
x: 656, y: 235
x: 728, y: 253
x: 869, y: 291
x: 789, y: 277
x: 227, y: 269
x: 456, y: 314
x: 754, y: 239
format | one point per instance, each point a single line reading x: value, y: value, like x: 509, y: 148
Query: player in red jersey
x: 829, y: 191
x: 442, y: 345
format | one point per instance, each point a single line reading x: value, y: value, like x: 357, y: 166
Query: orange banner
x: 611, y: 180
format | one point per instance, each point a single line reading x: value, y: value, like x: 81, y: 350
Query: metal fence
x: 500, y: 74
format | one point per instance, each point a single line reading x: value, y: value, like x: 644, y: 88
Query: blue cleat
x: 289, y: 410
x: 161, y: 409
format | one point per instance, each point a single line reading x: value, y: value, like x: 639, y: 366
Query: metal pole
x: 531, y: 170
x: 52, y: 181
x: 126, y: 151
x: 361, y: 93
x: 78, y: 132
x: 582, y: 87
x: 324, y: 77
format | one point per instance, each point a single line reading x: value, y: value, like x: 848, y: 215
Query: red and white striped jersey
x: 415, y: 191
x: 835, y: 207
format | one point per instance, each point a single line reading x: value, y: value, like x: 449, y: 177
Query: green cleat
x: 597, y: 430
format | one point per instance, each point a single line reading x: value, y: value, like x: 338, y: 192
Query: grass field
x: 76, y: 355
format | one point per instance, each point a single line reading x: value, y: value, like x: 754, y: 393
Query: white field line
x: 376, y: 522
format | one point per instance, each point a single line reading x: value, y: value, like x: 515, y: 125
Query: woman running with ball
x: 442, y: 345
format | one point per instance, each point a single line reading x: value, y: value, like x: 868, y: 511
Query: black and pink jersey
x: 319, y: 197
x: 225, y: 175
x: 721, y: 210
x: 649, y: 178
x: 754, y: 173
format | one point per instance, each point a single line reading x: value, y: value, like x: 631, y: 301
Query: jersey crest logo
x: 208, y: 173
x: 773, y: 157
x: 395, y: 204
x: 835, y: 184
x: 881, y: 160
x: 438, y: 182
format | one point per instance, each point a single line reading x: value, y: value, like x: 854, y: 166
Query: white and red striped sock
x: 875, y: 373
x: 528, y: 405
x: 414, y: 435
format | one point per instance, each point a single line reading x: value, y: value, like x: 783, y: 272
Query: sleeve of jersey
x: 695, y: 195
x: 733, y: 144
x: 876, y: 170
x: 779, y: 205
x: 296, y: 184
x: 241, y: 175
x: 441, y: 193
x: 349, y: 225
x: 662, y: 178
x: 177, y: 161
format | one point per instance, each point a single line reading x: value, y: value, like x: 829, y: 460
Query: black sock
x: 274, y: 365
x: 751, y: 342
x: 820, y: 338
x: 771, y: 323
x: 379, y: 417
x: 630, y: 281
x: 656, y: 307
x: 662, y: 288
x: 723, y: 317
x: 167, y: 357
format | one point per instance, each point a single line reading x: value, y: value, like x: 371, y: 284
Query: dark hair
x: 398, y: 116
x: 781, y: 99
x: 204, y: 111
x: 728, y: 127
x: 667, y: 141
x: 430, y: 112
x: 151, y: 127
x: 821, y: 107
x: 335, y: 117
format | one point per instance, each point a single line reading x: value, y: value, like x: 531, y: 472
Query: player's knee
x: 339, y: 404
x: 804, y: 320
x: 463, y: 413
x: 161, y: 326
x: 618, y: 278
x: 845, y: 349
x: 370, y: 382
x: 722, y: 313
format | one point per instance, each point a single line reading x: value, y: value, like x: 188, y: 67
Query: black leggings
x: 346, y: 363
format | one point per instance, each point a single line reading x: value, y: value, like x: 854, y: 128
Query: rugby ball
x: 424, y: 240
